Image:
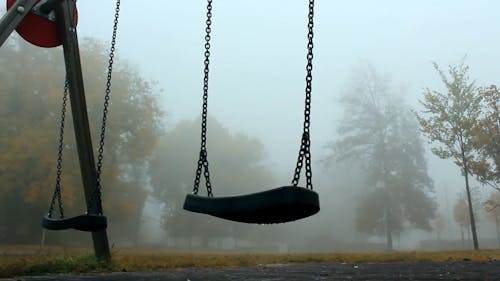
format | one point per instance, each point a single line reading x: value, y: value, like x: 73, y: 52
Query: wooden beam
x: 64, y: 13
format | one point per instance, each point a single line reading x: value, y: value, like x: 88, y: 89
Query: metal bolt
x: 20, y: 9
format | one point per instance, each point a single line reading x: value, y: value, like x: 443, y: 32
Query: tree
x: 380, y: 130
x: 371, y: 219
x: 487, y: 139
x: 235, y: 165
x: 492, y: 208
x: 450, y: 119
x: 32, y: 80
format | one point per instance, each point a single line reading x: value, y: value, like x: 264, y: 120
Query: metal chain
x: 57, y: 195
x: 305, y: 148
x: 203, y: 159
x: 96, y: 196
x: 57, y: 191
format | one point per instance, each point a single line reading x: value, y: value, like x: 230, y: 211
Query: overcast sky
x: 258, y: 57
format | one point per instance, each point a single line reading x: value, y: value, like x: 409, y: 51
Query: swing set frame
x: 64, y: 9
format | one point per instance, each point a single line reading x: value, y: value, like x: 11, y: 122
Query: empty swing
x: 278, y: 205
x: 94, y: 219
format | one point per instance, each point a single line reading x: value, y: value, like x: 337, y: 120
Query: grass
x: 82, y: 261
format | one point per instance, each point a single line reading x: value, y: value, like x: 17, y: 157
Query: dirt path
x: 464, y: 270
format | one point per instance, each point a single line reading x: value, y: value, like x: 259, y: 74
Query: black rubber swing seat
x: 279, y: 205
x: 85, y: 222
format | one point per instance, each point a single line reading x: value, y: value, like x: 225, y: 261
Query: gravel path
x: 463, y: 270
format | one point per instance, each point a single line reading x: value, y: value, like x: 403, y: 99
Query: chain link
x: 305, y: 147
x: 96, y: 196
x: 203, y: 157
x: 57, y: 195
x: 60, y: 147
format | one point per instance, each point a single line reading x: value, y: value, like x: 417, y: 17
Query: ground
x: 453, y: 270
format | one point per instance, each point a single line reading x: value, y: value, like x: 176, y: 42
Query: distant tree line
x: 236, y: 168
x: 379, y: 136
x: 382, y: 135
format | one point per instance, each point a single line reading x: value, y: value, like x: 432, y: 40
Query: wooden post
x: 64, y: 12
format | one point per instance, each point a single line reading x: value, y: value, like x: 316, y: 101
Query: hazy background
x: 258, y: 56
x: 258, y: 67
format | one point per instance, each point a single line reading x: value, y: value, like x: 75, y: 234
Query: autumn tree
x: 236, y: 167
x: 380, y: 130
x: 449, y: 119
x: 487, y: 139
x: 133, y: 129
x: 492, y: 209
x: 30, y: 108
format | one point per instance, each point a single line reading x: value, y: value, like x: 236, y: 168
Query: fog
x: 258, y: 56
x: 257, y: 81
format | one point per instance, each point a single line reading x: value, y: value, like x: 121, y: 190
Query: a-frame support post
x: 64, y: 10
x: 13, y: 17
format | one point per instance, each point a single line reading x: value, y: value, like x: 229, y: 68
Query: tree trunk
x: 471, y: 211
x: 462, y: 235
x: 388, y: 211
x: 389, y: 246
x: 498, y: 230
x: 140, y: 201
x: 3, y: 222
x: 468, y: 231
x: 138, y: 219
x: 137, y: 228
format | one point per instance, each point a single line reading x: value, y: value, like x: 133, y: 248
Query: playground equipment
x: 278, y: 205
x: 51, y: 23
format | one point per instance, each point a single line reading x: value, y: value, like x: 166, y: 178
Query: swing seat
x: 279, y: 205
x: 85, y: 222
